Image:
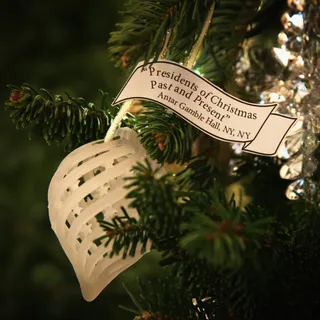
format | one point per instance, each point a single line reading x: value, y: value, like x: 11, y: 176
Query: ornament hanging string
x: 129, y: 104
x: 189, y: 63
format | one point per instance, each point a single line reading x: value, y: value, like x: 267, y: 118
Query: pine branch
x: 216, y: 249
x: 222, y: 244
x: 165, y: 299
x: 165, y: 136
x: 125, y: 233
x: 228, y: 30
x: 158, y: 204
x: 256, y: 67
x: 72, y: 121
x: 263, y: 25
x: 200, y: 174
x: 220, y: 234
x: 141, y: 35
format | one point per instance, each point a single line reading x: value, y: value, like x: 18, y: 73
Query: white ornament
x: 89, y: 184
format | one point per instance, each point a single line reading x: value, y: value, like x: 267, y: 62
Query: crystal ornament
x: 206, y: 307
x: 298, y: 5
x: 291, y: 145
x: 295, y: 190
x: 298, y: 166
x: 292, y: 169
x: 288, y: 75
x: 310, y: 165
x: 312, y: 121
x: 282, y: 55
x: 299, y: 188
x: 296, y: 57
x: 282, y: 39
x: 296, y: 92
x: 311, y: 105
x: 288, y: 94
x: 87, y: 187
x: 293, y: 23
x: 235, y: 165
x: 310, y: 142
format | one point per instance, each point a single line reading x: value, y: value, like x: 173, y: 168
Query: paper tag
x: 208, y: 107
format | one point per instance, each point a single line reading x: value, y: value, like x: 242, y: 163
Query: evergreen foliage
x: 223, y: 260
x: 73, y: 120
x: 167, y: 137
x: 142, y: 33
x: 229, y: 28
x: 248, y: 261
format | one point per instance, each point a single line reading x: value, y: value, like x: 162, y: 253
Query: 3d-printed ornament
x: 88, y: 186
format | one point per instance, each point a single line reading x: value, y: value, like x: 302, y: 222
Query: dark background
x: 61, y: 46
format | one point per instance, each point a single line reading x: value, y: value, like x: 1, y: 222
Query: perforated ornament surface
x: 87, y: 187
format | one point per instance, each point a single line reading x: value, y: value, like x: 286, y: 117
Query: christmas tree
x: 162, y: 180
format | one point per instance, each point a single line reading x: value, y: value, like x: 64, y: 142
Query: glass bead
x: 300, y: 188
x: 295, y: 190
x: 298, y: 166
x: 294, y: 23
x: 282, y: 38
x: 282, y: 56
x: 310, y: 142
x: 296, y: 4
x: 291, y: 145
x: 310, y: 165
x: 292, y: 169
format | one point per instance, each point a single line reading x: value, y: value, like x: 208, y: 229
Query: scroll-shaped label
x: 208, y: 107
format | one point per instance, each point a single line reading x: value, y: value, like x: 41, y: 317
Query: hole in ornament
x: 109, y: 212
x: 81, y: 181
x: 101, y: 153
x: 122, y: 158
x: 97, y: 242
x: 95, y: 229
x: 116, y: 161
x: 98, y: 170
x: 91, y: 157
x: 65, y: 195
x: 85, y: 231
x: 70, y: 219
x: 99, y: 216
x: 88, y: 197
x: 83, y: 162
x: 70, y: 170
x: 117, y: 182
x: 106, y: 187
x: 84, y: 203
x: 91, y: 174
x: 92, y: 248
x: 117, y: 206
x: 99, y: 261
x: 79, y: 240
x: 98, y: 142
